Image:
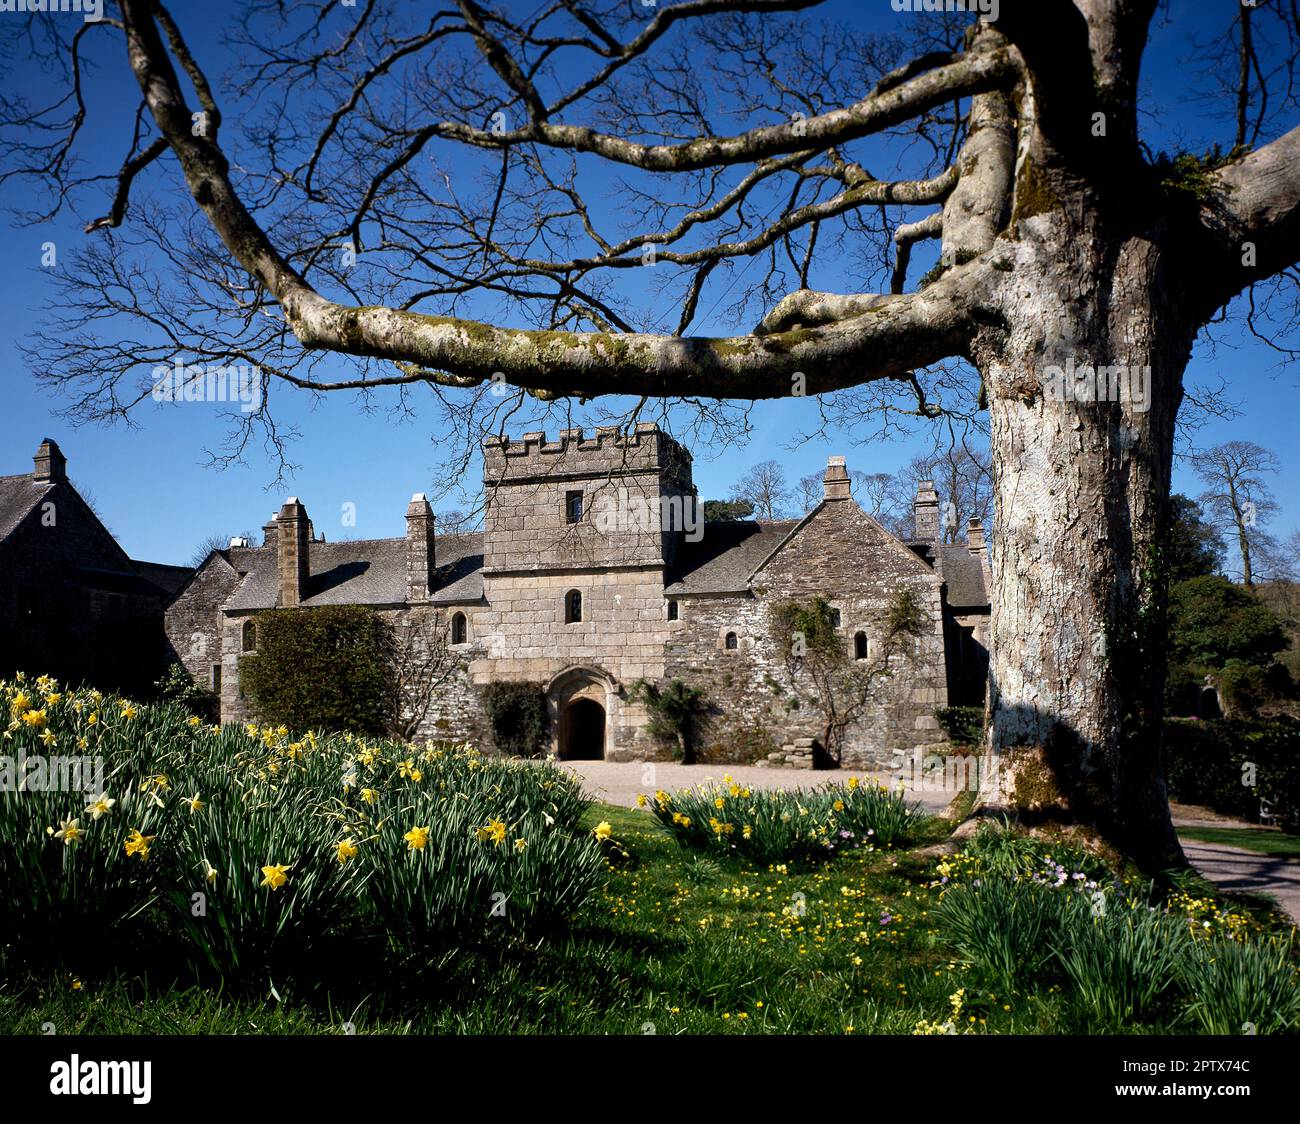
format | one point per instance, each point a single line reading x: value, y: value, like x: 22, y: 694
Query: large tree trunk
x: 1081, y: 491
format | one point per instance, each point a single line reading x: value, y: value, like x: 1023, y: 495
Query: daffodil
x: 69, y: 832
x: 416, y: 838
x: 369, y: 795
x: 603, y: 830
x: 195, y: 720
x: 195, y: 804
x: 494, y: 830
x: 520, y: 844
x: 100, y: 805
x: 347, y: 850
x: 35, y: 719
x: 128, y: 711
x: 138, y: 844
x: 274, y: 876
x: 209, y: 871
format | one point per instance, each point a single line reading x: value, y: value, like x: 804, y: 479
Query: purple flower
x: 885, y: 918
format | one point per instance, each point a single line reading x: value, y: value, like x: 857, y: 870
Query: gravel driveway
x: 619, y: 782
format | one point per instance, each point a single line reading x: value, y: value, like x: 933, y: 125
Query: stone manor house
x: 579, y: 584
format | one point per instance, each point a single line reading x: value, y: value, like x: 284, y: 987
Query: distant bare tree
x: 963, y: 477
x: 422, y: 663
x: 765, y: 487
x: 875, y: 492
x: 216, y: 542
x: 1237, y: 500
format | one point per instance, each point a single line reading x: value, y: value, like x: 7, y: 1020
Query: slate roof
x: 18, y: 495
x: 725, y: 557
x: 166, y: 577
x: 373, y: 571
x: 960, y: 570
x: 363, y: 572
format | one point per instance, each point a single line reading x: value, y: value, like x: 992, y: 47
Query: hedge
x: 1208, y: 764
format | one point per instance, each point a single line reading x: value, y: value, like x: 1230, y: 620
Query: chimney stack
x: 270, y: 530
x: 292, y: 552
x: 420, y: 554
x: 836, y: 481
x: 51, y: 464
x: 975, y: 538
x: 925, y: 510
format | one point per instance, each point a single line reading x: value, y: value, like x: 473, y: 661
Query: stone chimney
x: 836, y: 481
x: 925, y: 510
x: 51, y: 464
x: 292, y: 552
x: 420, y: 555
x: 270, y: 530
x: 975, y: 538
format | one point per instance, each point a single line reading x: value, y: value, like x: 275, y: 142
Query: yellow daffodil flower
x: 138, y: 844
x: 274, y: 876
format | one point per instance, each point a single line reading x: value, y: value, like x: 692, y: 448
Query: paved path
x: 1231, y: 868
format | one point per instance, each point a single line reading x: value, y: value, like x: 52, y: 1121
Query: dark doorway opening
x: 584, y: 731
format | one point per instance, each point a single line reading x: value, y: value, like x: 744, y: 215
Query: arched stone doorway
x: 582, y: 731
x: 581, y: 699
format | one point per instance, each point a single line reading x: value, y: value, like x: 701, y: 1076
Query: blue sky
x: 154, y: 488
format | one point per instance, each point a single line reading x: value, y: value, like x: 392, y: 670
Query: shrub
x: 521, y: 723
x: 775, y: 826
x: 1213, y: 620
x: 675, y: 712
x: 1209, y: 762
x: 962, y: 724
x: 178, y: 686
x: 327, y: 668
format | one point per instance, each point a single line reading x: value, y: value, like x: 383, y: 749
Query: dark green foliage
x: 1187, y: 173
x: 808, y: 629
x: 962, y: 724
x: 521, y: 725
x: 675, y: 713
x: 1208, y: 763
x: 1212, y: 621
x: 328, y: 668
x: 1193, y: 548
x: 177, y: 686
x: 727, y: 511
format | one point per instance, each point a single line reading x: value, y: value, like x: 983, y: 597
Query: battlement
x: 609, y: 451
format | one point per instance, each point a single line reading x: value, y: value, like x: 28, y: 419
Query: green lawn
x: 1259, y: 839
x: 676, y: 942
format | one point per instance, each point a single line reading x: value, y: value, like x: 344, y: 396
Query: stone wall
x: 521, y: 635
x: 193, y: 622
x: 625, y: 485
x: 762, y: 701
x: 71, y: 604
